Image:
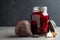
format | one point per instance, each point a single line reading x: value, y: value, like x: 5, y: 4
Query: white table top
x: 8, y: 33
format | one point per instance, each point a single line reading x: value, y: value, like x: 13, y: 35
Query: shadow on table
x: 14, y: 36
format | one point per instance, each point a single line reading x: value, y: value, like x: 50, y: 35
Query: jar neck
x: 45, y: 13
x: 35, y: 11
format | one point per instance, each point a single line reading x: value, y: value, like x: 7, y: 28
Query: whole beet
x: 23, y: 28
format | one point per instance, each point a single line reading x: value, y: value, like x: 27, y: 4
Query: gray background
x: 12, y: 11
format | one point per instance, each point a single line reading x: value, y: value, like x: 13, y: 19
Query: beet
x: 23, y: 28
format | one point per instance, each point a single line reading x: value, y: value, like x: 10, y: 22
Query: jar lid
x: 44, y: 9
x: 36, y: 9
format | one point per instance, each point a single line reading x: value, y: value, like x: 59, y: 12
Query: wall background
x: 12, y: 11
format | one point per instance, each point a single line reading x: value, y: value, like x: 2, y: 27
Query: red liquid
x: 43, y: 23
